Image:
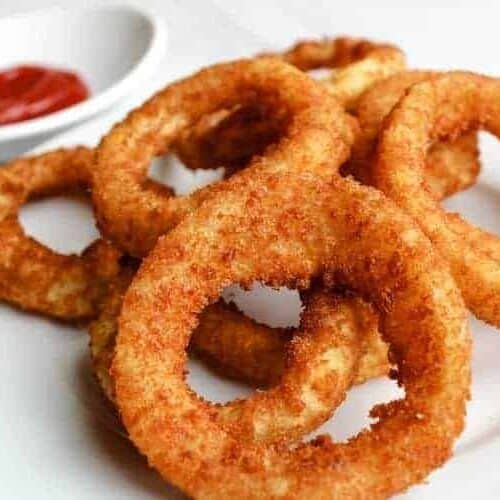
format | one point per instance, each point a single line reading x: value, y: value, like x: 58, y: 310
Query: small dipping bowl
x: 112, y: 48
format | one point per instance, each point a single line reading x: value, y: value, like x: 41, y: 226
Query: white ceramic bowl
x: 114, y: 48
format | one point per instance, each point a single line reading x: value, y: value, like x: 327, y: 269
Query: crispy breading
x: 452, y: 165
x: 296, y: 231
x: 32, y: 276
x: 444, y: 107
x: 284, y: 220
x: 132, y: 211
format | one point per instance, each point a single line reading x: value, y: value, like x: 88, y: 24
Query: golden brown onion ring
x: 133, y: 211
x: 282, y: 222
x: 32, y: 276
x: 358, y: 63
x: 444, y: 108
x: 451, y: 165
x: 231, y: 137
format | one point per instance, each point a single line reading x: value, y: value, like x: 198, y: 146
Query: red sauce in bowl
x: 28, y: 92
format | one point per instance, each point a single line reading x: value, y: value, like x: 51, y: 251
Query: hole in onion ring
x: 168, y: 170
x: 222, y: 139
x: 63, y: 223
x: 282, y: 356
x: 353, y: 414
x: 275, y: 307
x: 230, y: 138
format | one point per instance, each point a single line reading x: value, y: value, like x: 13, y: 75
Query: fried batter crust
x: 287, y: 218
x: 444, y: 108
x: 322, y: 361
x: 133, y: 211
x: 32, y: 276
x: 452, y: 165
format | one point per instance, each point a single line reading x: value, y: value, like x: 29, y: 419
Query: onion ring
x: 452, y: 165
x: 132, y: 211
x: 363, y: 242
x: 359, y: 63
x: 231, y: 137
x: 444, y: 107
x: 32, y: 276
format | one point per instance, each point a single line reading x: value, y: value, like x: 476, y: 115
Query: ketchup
x: 31, y: 91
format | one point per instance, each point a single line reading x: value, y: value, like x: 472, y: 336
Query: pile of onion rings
x: 331, y: 187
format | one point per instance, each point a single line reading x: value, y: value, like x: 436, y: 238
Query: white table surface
x: 51, y: 446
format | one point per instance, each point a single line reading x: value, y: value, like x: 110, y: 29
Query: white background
x: 52, y: 444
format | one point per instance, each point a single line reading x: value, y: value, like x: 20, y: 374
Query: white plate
x: 54, y: 419
x: 113, y: 48
x: 56, y: 438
